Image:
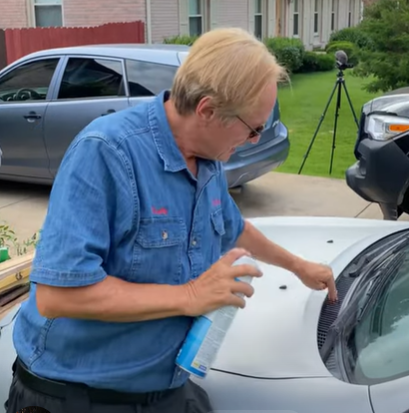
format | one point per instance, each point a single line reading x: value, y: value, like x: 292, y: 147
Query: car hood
x: 395, y: 102
x: 275, y: 336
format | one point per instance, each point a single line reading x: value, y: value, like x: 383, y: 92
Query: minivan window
x: 148, y: 79
x: 92, y: 78
x: 28, y: 82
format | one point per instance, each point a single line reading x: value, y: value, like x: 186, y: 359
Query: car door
x: 89, y: 87
x: 24, y: 98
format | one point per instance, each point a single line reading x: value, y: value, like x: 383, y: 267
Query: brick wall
x: 13, y: 14
x: 233, y: 13
x: 96, y: 12
x: 165, y: 19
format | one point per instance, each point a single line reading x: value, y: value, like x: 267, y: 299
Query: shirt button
x: 164, y: 235
x: 194, y: 242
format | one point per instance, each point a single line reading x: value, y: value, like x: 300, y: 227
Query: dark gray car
x: 381, y: 172
x: 48, y: 97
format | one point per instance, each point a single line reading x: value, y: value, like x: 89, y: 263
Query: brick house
x: 310, y: 20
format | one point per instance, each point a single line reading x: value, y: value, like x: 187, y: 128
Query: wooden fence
x: 16, y: 43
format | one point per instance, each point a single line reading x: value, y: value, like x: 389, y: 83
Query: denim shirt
x: 124, y: 204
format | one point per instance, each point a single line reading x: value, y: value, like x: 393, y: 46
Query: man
x: 138, y: 219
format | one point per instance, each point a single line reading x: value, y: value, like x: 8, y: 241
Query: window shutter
x: 252, y: 10
x: 271, y: 17
x: 184, y: 17
x: 214, y: 13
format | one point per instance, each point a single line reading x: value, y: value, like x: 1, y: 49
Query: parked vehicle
x: 381, y: 173
x: 48, y: 97
x: 290, y: 350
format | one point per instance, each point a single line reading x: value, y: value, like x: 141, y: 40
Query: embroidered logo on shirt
x: 160, y: 211
x: 216, y: 202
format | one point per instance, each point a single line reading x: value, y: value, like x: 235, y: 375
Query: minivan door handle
x: 108, y: 112
x: 32, y: 116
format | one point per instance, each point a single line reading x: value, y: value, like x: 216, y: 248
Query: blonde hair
x: 229, y: 65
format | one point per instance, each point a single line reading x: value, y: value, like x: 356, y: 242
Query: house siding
x: 306, y: 8
x: 13, y: 14
x: 164, y: 19
x: 233, y: 13
x: 97, y: 12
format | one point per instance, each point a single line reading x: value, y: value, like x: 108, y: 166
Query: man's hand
x: 317, y: 277
x: 217, y: 286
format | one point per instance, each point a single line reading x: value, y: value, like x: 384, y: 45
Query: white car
x: 290, y: 350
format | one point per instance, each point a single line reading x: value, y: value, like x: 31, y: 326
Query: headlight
x: 383, y: 127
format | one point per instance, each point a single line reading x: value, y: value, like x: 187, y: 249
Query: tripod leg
x: 318, y: 127
x: 338, y: 105
x: 350, y: 104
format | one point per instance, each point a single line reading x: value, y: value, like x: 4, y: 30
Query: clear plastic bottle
x: 207, y: 333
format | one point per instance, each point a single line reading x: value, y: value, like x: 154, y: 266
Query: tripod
x: 340, y: 82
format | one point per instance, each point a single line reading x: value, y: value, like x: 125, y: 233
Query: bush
x: 288, y: 51
x: 317, y: 62
x: 354, y: 35
x: 348, y: 47
x: 10, y: 245
x: 185, y: 39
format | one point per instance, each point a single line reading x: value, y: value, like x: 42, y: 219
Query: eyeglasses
x: 253, y: 132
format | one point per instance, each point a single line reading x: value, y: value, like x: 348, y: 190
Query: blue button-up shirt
x: 124, y: 204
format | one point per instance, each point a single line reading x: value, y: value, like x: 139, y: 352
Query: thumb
x: 233, y: 255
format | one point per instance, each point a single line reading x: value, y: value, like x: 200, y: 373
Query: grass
x: 302, y: 105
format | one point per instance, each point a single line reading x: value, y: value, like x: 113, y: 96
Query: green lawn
x: 302, y: 105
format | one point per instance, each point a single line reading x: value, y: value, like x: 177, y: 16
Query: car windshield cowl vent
x: 330, y: 312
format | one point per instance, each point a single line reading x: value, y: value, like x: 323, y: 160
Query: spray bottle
x: 207, y: 333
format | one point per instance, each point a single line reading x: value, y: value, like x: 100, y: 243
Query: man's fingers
x: 236, y: 301
x: 245, y: 269
x: 332, y: 290
x: 239, y: 287
x: 233, y: 255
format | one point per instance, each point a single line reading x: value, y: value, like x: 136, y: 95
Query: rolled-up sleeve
x: 233, y: 219
x: 91, y: 195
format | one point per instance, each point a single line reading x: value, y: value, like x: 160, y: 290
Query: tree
x: 387, y: 60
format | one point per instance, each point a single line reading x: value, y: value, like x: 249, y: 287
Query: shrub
x: 185, y: 39
x: 349, y: 48
x: 10, y: 245
x: 288, y: 51
x: 354, y: 35
x: 317, y: 62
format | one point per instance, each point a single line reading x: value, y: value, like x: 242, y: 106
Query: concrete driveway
x: 24, y: 207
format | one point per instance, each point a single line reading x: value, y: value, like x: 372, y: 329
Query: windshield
x: 378, y: 345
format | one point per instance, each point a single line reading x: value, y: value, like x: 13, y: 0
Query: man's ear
x: 205, y: 109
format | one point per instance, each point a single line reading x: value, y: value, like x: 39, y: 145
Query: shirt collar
x: 164, y: 140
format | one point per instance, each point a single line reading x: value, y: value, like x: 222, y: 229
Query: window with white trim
x: 334, y: 8
x: 351, y: 5
x: 48, y: 13
x: 196, y: 17
x: 296, y: 19
x: 258, y: 19
x: 317, y: 4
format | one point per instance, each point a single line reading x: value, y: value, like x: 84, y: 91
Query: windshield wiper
x: 383, y: 274
x: 383, y: 269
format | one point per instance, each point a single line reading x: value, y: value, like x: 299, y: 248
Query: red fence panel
x: 20, y: 42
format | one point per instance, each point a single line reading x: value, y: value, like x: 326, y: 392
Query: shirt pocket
x: 218, y: 231
x: 158, y: 250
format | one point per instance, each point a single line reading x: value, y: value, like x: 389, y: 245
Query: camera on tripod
x: 341, y: 59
